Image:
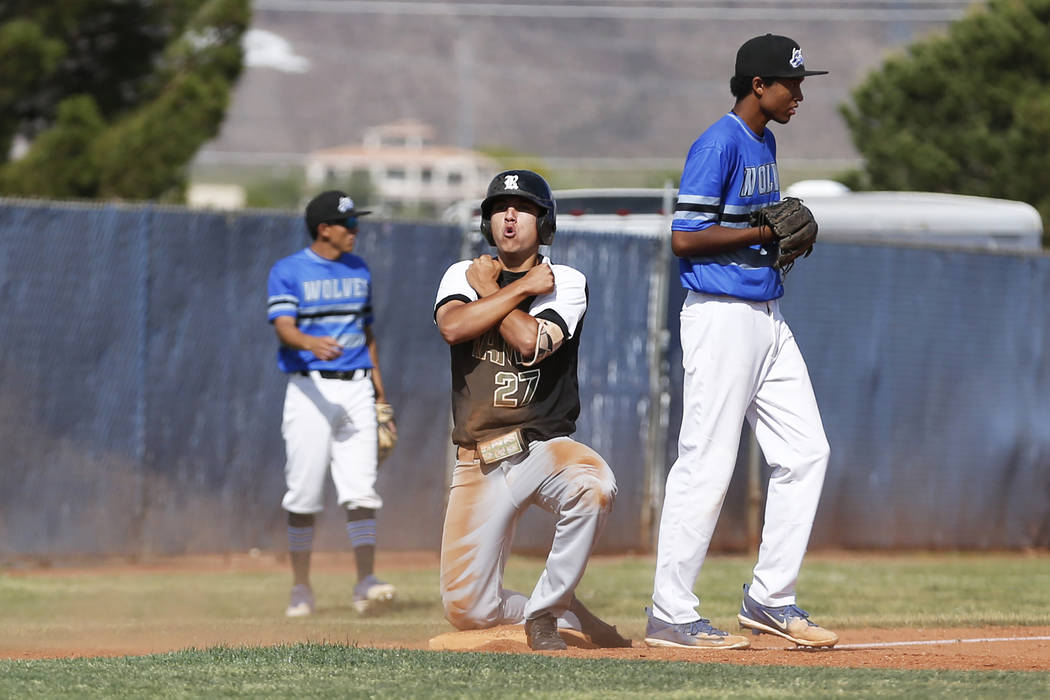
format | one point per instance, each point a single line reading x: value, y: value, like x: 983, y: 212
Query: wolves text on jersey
x: 345, y: 288
x: 761, y: 179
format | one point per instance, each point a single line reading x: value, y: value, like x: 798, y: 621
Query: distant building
x: 204, y: 195
x: 406, y: 170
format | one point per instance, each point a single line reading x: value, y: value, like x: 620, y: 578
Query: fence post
x: 137, y: 544
x: 659, y: 396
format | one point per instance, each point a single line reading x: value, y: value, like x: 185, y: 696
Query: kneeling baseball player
x: 513, y: 323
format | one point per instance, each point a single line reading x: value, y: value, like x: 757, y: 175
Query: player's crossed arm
x: 460, y: 321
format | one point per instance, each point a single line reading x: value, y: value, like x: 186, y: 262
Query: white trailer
x: 925, y: 218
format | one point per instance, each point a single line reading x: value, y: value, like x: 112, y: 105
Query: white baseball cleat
x: 371, y: 592
x: 301, y: 601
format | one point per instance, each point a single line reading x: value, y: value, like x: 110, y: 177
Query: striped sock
x: 300, y: 539
x: 362, y: 532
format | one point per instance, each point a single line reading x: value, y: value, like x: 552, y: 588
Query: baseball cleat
x: 370, y: 593
x: 601, y: 633
x: 699, y: 634
x: 787, y: 621
x: 301, y: 601
x: 541, y: 633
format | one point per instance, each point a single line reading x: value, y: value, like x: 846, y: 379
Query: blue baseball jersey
x: 729, y: 173
x: 326, y: 297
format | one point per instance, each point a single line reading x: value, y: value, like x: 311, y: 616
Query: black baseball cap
x: 772, y: 56
x: 333, y: 206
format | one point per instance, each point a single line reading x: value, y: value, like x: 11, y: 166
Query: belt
x: 466, y: 454
x: 348, y: 375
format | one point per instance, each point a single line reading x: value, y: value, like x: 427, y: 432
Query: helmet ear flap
x: 486, y: 229
x: 545, y: 228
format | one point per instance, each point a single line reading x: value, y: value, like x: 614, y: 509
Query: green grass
x: 313, y: 670
x: 329, y: 653
x: 228, y: 606
x: 911, y: 590
x: 936, y: 590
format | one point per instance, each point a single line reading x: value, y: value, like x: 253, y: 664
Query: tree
x: 114, y: 97
x: 967, y: 112
x: 281, y: 190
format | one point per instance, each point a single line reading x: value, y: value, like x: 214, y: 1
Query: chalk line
x: 930, y: 642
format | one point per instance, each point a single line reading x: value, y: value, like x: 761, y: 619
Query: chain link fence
x: 140, y: 402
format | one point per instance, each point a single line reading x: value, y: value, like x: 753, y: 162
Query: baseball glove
x: 386, y: 429
x: 793, y: 227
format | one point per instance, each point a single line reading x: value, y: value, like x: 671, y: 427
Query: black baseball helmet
x: 531, y: 186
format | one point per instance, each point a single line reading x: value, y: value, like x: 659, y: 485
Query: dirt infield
x: 129, y: 633
x: 959, y: 649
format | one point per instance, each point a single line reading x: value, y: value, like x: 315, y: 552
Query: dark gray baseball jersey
x: 494, y: 391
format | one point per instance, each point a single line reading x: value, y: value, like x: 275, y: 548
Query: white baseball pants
x: 560, y: 475
x: 741, y: 362
x: 329, y: 422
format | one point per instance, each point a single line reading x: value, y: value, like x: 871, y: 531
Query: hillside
x: 567, y: 88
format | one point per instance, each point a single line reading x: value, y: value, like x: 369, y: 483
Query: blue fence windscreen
x: 140, y: 402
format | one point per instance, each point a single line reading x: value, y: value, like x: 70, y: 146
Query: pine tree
x: 114, y: 97
x: 965, y: 112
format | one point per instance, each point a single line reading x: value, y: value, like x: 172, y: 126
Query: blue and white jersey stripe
x: 729, y: 173
x: 326, y: 298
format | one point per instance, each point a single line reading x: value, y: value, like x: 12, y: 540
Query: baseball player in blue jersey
x: 741, y: 362
x: 320, y: 305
